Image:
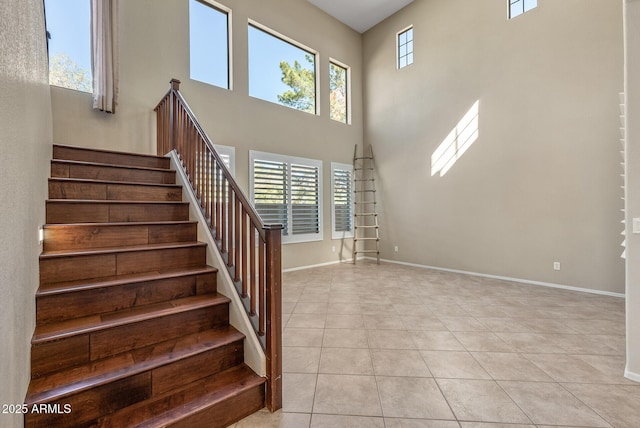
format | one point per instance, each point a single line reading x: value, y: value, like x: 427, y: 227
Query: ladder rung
x: 360, y: 169
x: 367, y: 251
x: 363, y: 191
x: 366, y: 202
x: 365, y: 214
x: 363, y: 157
x: 365, y: 227
x: 363, y: 179
x: 366, y: 239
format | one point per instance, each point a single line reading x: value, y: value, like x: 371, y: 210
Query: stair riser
x: 65, y: 353
x: 113, y: 192
x: 92, y: 404
x: 87, y: 237
x: 98, y: 266
x: 88, y: 155
x: 61, y: 169
x: 103, y: 212
x: 56, y: 308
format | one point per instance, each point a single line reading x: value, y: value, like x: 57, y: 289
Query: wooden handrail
x: 250, y: 248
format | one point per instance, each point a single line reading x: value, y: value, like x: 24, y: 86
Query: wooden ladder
x: 366, y: 227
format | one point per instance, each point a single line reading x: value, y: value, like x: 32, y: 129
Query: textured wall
x: 25, y: 144
x: 153, y: 53
x: 541, y: 182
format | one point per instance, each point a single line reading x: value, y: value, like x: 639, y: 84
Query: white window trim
x: 224, y: 9
x: 509, y: 16
x: 397, y: 41
x: 273, y: 157
x: 289, y: 40
x: 345, y: 66
x: 229, y: 151
x: 335, y: 234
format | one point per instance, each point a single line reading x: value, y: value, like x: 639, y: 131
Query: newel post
x: 175, y: 86
x: 274, y: 317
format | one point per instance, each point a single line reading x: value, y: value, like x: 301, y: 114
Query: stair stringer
x: 254, y: 355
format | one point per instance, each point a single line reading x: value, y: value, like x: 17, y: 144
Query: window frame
x: 334, y: 233
x: 290, y: 238
x: 398, y: 57
x: 289, y: 40
x: 229, y: 151
x: 347, y: 89
x: 227, y: 11
x: 524, y: 9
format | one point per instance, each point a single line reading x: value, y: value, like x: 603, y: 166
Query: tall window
x: 341, y: 201
x: 405, y: 47
x: 228, y: 155
x: 280, y: 70
x: 339, y: 92
x: 69, y: 32
x: 209, y: 43
x: 518, y: 7
x: 288, y: 190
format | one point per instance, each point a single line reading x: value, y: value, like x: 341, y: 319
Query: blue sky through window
x: 265, y: 54
x: 208, y: 33
x: 69, y: 23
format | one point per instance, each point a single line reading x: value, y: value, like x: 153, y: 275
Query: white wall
x: 541, y: 183
x: 632, y: 89
x: 25, y: 144
x: 154, y: 47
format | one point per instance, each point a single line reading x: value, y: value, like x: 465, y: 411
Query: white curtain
x: 104, y: 58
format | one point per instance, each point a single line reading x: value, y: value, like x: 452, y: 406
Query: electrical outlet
x: 556, y: 265
x: 395, y: 248
x: 333, y: 249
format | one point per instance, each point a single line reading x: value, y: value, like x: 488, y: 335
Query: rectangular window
x: 339, y: 92
x: 288, y: 190
x: 69, y: 32
x: 209, y: 51
x: 281, y: 71
x: 518, y: 7
x: 341, y: 201
x: 405, y: 47
x: 228, y: 155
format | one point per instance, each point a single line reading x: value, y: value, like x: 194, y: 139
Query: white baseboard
x: 631, y: 375
x: 506, y: 278
x: 336, y: 262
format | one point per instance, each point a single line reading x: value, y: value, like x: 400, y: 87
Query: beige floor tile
x: 311, y: 337
x: 413, y: 310
x: 492, y: 425
x: 551, y: 404
x: 619, y: 405
x: 399, y: 363
x: 345, y: 338
x: 336, y: 421
x: 311, y: 308
x: 482, y: 341
x: 298, y: 391
x: 531, y: 343
x: 558, y: 326
x: 419, y: 423
x: 287, y: 307
x: 346, y: 361
x: 300, y: 360
x: 348, y: 308
x: 307, y: 321
x: 347, y: 395
x: 567, y: 368
x: 611, y: 365
x: 390, y: 339
x: 462, y: 323
x: 581, y: 344
x: 409, y: 397
x: 504, y: 325
x: 344, y: 321
x: 454, y: 365
x: 436, y: 341
x: 383, y: 322
x: 417, y: 322
x: 510, y: 366
x: 481, y: 400
x: 279, y: 419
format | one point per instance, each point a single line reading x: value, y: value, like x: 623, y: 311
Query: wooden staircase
x: 130, y: 329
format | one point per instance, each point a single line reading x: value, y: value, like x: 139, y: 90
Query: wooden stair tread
x: 116, y: 280
x: 118, y: 249
x: 114, y: 152
x: 78, y: 326
x: 185, y: 402
x: 114, y: 201
x: 109, y: 165
x: 118, y: 224
x: 117, y: 183
x: 71, y: 381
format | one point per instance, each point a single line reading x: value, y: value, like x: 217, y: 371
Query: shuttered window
x: 341, y: 200
x: 287, y: 190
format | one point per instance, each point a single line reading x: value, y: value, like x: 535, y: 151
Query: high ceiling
x: 361, y: 14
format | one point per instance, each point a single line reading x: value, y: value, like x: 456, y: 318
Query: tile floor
x: 402, y: 347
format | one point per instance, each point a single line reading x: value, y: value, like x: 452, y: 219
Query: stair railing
x: 250, y: 248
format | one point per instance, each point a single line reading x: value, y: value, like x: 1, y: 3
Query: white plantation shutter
x: 288, y: 191
x: 342, y: 200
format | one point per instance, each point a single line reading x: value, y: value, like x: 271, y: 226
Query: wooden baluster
x: 273, y: 292
x: 261, y: 288
x: 237, y: 234
x: 223, y: 213
x: 252, y: 265
x: 230, y: 224
x: 243, y: 240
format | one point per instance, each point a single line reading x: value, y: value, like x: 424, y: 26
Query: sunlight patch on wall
x: 461, y: 137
